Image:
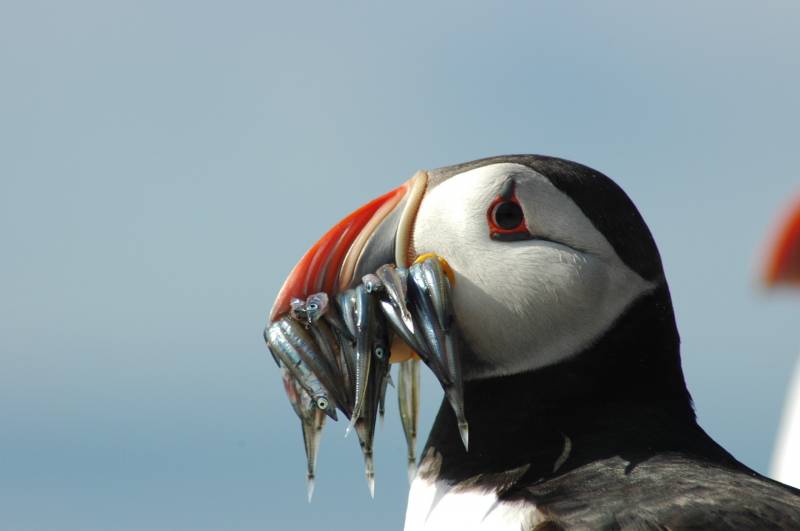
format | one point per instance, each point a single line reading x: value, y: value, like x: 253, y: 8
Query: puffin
x: 578, y: 412
x: 781, y: 270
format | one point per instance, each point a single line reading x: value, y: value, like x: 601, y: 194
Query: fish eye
x: 507, y: 215
x: 379, y: 352
x: 312, y: 306
x: 322, y: 402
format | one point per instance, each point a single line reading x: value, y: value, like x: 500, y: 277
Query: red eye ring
x: 506, y: 217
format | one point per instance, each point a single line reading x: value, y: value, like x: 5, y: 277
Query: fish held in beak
x: 394, y: 303
x: 289, y: 343
x: 408, y: 402
x: 348, y: 305
x: 312, y: 421
x: 429, y: 289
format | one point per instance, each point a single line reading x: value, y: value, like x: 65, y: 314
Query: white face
x: 523, y: 305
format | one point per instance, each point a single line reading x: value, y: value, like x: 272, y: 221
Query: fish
x: 312, y: 420
x: 408, y: 404
x: 382, y: 402
x: 316, y: 306
x: 364, y: 315
x: 430, y: 303
x: 310, y: 310
x: 334, y: 353
x: 346, y: 359
x: 372, y: 283
x: 431, y: 335
x: 323, y: 366
x: 347, y: 310
x: 371, y: 318
x: 393, y: 303
x: 285, y: 341
x: 381, y: 357
x: 329, y: 347
x: 333, y: 318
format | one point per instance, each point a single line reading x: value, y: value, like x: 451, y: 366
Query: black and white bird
x: 579, y: 416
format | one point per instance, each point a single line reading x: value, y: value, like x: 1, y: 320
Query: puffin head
x: 538, y: 280
x: 546, y: 255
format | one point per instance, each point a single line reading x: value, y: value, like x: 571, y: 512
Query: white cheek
x: 543, y: 305
x: 523, y: 305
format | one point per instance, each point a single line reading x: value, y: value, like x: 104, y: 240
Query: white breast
x: 434, y: 506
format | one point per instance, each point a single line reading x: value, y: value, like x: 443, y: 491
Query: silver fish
x: 380, y: 366
x: 316, y: 306
x: 372, y: 283
x: 312, y: 420
x: 290, y: 386
x: 365, y: 425
x: 329, y: 347
x: 381, y: 355
x: 365, y: 429
x: 323, y: 367
x: 393, y: 303
x: 438, y: 287
x: 395, y: 286
x: 377, y: 381
x: 408, y: 402
x: 430, y: 300
x: 365, y: 439
x: 346, y: 359
x: 274, y: 357
x: 310, y: 310
x: 334, y: 319
x: 364, y: 313
x: 282, y: 339
x: 382, y: 401
x: 297, y: 308
x: 347, y: 309
x: 431, y: 334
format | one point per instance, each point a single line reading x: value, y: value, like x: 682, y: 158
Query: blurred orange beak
x: 783, y: 257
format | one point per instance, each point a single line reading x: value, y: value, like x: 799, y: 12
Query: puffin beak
x: 377, y: 233
x: 782, y: 266
x: 366, y: 267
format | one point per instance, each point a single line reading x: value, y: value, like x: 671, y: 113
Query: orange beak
x: 783, y: 257
x: 331, y: 264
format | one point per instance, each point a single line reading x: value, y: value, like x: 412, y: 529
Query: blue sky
x: 163, y: 166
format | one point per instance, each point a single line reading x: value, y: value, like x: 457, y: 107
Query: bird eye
x: 507, y: 220
x: 507, y: 215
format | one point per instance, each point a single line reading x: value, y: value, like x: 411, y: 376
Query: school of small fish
x: 333, y: 351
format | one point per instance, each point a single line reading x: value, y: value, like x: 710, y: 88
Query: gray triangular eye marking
x: 507, y: 190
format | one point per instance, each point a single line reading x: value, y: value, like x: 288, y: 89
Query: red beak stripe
x: 783, y: 261
x: 319, y: 269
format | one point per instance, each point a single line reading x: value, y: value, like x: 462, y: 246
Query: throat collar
x: 624, y: 395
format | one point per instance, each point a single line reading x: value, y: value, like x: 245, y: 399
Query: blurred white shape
x: 782, y: 269
x: 785, y: 465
